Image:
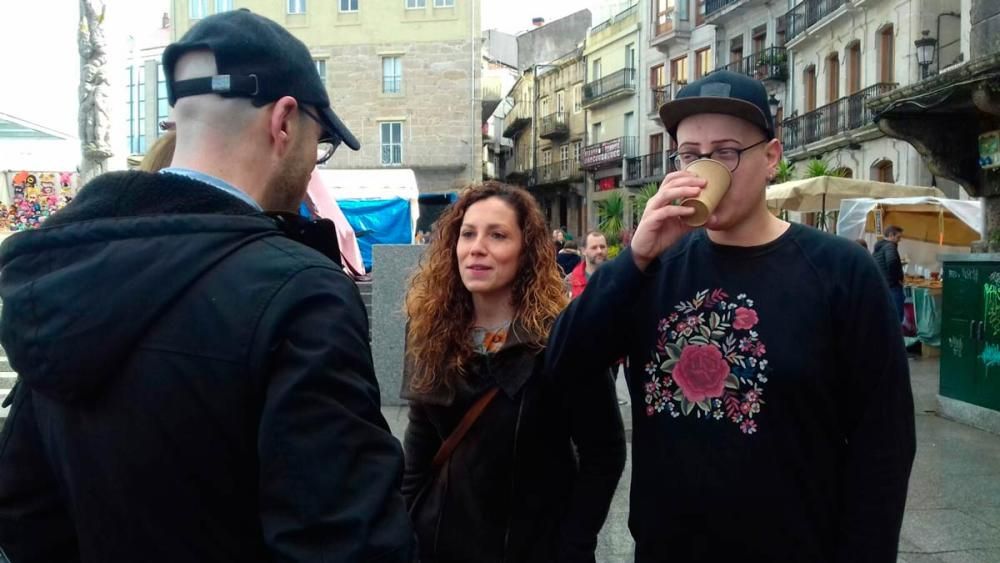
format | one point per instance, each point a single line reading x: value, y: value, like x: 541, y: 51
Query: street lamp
x: 926, y: 47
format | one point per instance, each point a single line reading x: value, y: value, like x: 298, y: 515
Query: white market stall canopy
x: 935, y: 220
x: 826, y: 193
x: 374, y: 184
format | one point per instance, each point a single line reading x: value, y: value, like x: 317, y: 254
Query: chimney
x: 537, y: 22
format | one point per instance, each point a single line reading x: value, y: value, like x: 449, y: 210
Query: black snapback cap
x: 256, y: 58
x: 725, y: 92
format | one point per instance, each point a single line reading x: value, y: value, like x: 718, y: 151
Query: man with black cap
x: 195, y: 385
x: 773, y: 418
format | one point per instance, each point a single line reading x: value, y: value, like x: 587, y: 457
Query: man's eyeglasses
x: 727, y: 156
x: 327, y: 145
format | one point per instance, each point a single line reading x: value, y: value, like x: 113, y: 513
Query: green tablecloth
x: 927, y: 310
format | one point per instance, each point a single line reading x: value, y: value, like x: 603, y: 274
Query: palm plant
x: 611, y: 216
x: 645, y: 194
x: 784, y: 172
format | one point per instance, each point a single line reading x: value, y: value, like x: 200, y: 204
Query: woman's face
x: 489, y: 248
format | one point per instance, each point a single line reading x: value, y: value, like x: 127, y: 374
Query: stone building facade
x: 404, y: 75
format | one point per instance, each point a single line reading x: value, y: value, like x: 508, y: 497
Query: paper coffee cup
x: 719, y: 177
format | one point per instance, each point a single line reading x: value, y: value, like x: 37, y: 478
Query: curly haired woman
x: 510, y: 485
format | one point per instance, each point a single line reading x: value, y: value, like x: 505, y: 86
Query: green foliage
x: 816, y: 168
x: 611, y: 217
x: 785, y: 172
x: 643, y: 197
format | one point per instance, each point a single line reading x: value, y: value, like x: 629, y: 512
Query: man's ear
x: 283, y: 124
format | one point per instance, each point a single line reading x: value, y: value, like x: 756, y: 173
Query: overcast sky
x: 39, y: 61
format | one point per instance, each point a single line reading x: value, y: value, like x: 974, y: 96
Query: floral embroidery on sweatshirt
x: 709, y: 362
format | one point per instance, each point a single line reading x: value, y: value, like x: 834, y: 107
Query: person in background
x: 863, y: 243
x: 161, y: 153
x: 502, y: 463
x: 558, y: 239
x: 594, y: 255
x: 568, y: 257
x: 772, y: 413
x: 887, y: 258
x: 195, y: 384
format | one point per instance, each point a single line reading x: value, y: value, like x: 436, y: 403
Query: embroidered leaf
x: 705, y: 331
x: 714, y: 320
x: 674, y: 351
x: 686, y: 406
x: 698, y: 340
x: 705, y: 405
x: 668, y: 366
x: 732, y: 382
x: 732, y: 405
x: 717, y: 334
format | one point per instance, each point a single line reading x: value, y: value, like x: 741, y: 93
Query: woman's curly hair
x: 440, y: 308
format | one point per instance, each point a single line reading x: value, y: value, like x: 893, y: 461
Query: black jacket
x: 886, y: 256
x: 514, y: 490
x: 195, y: 386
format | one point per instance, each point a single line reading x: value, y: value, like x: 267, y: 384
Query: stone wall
x: 438, y: 106
x: 394, y: 265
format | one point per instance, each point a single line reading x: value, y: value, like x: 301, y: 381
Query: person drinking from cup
x: 772, y: 412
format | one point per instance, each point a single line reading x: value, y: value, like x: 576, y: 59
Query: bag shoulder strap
x: 449, y: 445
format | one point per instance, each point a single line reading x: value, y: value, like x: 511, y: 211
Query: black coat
x: 514, y: 489
x: 195, y: 386
x: 886, y: 255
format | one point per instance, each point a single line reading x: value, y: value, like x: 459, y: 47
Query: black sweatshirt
x: 772, y: 412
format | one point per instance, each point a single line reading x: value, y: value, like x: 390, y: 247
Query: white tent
x: 931, y: 225
x: 377, y: 184
x: 825, y: 193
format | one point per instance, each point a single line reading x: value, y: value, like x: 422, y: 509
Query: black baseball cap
x: 723, y: 91
x: 257, y: 59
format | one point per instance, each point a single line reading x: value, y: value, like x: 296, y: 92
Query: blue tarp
x: 378, y: 221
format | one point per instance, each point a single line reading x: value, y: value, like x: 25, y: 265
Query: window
x: 564, y: 157
x: 882, y: 172
x: 854, y: 67
x: 546, y: 157
x: 577, y: 147
x: 296, y: 6
x: 392, y: 142
x: 596, y: 75
x: 657, y: 77
x: 561, y: 101
x: 630, y: 56
x: 223, y: 6
x: 886, y: 44
x: 197, y: 9
x: 702, y: 62
x: 392, y: 75
x: 699, y: 14
x: 321, y: 70
x: 832, y: 77
x: 679, y: 70
x: 416, y: 4
x: 663, y: 15
x: 543, y: 107
x: 656, y: 143
x: 444, y: 3
x: 595, y: 132
x: 577, y: 98
x: 736, y: 49
x: 809, y: 80
x: 759, y: 38
x: 136, y: 121
x: 162, y: 103
x: 348, y: 5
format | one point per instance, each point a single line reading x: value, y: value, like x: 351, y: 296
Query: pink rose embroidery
x: 745, y: 319
x: 701, y: 373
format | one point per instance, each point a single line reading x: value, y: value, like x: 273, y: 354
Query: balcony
x: 658, y: 96
x: 612, y: 87
x: 648, y: 168
x: 517, y: 118
x: 714, y: 7
x: 667, y: 27
x: 842, y: 116
x: 554, y: 126
x: 807, y: 14
x: 608, y: 154
x: 559, y: 172
x: 769, y: 64
x: 517, y: 175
